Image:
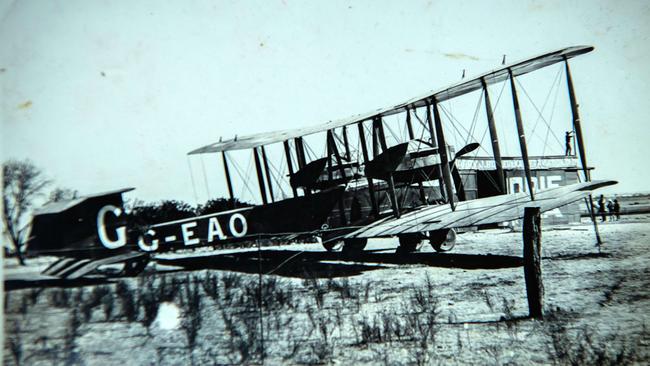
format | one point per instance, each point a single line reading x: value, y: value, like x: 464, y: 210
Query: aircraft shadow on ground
x: 18, y: 284
x: 297, y: 264
x: 290, y: 263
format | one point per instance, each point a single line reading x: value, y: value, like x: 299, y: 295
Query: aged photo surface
x: 341, y: 182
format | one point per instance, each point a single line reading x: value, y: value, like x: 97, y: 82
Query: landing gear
x: 354, y: 246
x: 134, y: 267
x: 442, y: 240
x: 332, y: 246
x: 409, y: 243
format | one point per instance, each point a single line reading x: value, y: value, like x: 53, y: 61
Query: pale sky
x: 111, y: 94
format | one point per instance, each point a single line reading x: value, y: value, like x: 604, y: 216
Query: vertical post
x: 260, y: 176
x: 495, y: 139
x: 532, y: 261
x: 577, y: 127
x: 287, y: 154
x: 260, y: 302
x: 268, y: 174
x: 364, y: 150
x: 228, y: 179
x: 522, y: 136
x: 409, y: 126
x: 444, y: 159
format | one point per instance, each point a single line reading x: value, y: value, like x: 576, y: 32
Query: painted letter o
x: 233, y: 229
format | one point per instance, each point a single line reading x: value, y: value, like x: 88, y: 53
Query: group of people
x: 611, y: 208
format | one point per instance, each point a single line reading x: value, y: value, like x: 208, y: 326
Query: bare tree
x: 23, y: 182
x: 63, y: 194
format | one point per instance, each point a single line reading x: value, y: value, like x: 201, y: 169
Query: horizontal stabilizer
x: 74, y: 268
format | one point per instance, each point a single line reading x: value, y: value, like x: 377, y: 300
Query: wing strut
x: 576, y: 122
x: 577, y: 127
x: 444, y: 159
x: 300, y: 154
x: 260, y: 176
x: 409, y: 125
x: 228, y: 179
x: 495, y: 139
x: 267, y: 171
x: 434, y: 143
x: 332, y: 149
x: 371, y: 187
x: 522, y: 136
x: 287, y: 154
x: 378, y: 133
x: 346, y: 143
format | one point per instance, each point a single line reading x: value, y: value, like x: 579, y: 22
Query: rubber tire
x: 442, y: 240
x: 354, y: 246
x: 408, y: 243
x: 332, y: 246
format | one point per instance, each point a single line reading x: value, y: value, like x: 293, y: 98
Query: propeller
x: 466, y: 150
x: 458, y: 183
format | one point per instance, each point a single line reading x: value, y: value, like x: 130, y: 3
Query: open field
x: 466, y: 307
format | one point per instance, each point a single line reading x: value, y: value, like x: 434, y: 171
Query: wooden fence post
x: 532, y: 261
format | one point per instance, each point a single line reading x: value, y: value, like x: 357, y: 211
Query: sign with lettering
x: 518, y: 164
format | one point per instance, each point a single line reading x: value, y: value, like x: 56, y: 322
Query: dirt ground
x: 462, y: 308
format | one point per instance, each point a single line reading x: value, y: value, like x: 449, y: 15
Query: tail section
x: 86, y: 227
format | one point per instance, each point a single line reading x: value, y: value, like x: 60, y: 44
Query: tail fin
x: 88, y: 226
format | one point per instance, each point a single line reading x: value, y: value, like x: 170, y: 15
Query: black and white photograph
x: 215, y: 182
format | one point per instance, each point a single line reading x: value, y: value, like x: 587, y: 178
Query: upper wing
x: 477, y: 212
x: 466, y: 86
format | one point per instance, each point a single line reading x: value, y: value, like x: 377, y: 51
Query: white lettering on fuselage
x: 214, y: 229
x: 206, y: 229
x: 148, y: 247
x: 101, y: 228
x: 187, y: 233
x: 243, y: 223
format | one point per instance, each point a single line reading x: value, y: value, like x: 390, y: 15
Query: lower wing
x: 480, y: 211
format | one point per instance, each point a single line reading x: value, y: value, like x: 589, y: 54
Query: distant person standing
x: 567, y: 143
x: 617, y: 209
x: 601, y: 208
x: 610, y: 209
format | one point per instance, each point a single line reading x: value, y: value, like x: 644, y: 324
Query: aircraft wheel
x: 354, y: 246
x: 332, y: 246
x: 135, y: 266
x: 408, y: 243
x: 442, y: 240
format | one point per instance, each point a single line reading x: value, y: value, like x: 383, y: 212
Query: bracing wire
x: 553, y: 86
x: 205, y: 178
x: 244, y: 178
x: 548, y: 131
x: 189, y: 165
x: 538, y: 111
x: 452, y: 119
x: 275, y: 174
x: 475, y: 117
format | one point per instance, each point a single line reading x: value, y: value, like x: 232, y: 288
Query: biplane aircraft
x: 411, y: 190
